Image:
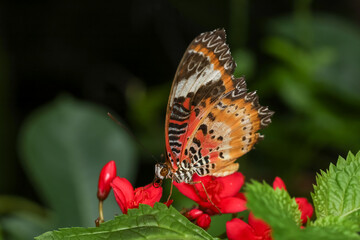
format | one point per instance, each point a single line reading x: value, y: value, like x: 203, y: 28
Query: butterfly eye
x: 164, y: 171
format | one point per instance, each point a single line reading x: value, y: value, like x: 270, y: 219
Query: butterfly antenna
x: 132, y: 136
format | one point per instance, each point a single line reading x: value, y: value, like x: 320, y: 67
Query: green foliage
x: 144, y: 108
x: 337, y: 192
x: 20, y: 213
x: 275, y: 207
x: 336, y: 198
x: 313, y: 76
x: 63, y: 147
x: 159, y: 222
x: 331, y: 35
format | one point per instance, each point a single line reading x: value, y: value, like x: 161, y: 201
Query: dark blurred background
x: 65, y: 64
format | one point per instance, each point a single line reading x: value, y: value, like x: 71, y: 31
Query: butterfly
x: 211, y: 118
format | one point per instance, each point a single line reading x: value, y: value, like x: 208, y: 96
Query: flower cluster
x: 126, y: 196
x: 214, y: 195
x: 257, y: 228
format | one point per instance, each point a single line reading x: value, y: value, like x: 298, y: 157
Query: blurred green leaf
x: 338, y: 41
x: 23, y: 225
x: 245, y: 63
x: 19, y: 213
x: 146, y: 222
x: 63, y: 147
x: 147, y: 108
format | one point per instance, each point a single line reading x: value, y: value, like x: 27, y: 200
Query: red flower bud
x: 203, y: 221
x: 168, y: 203
x: 193, y: 214
x: 107, y: 174
x: 279, y: 183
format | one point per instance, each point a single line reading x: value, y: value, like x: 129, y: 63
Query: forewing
x: 203, y: 76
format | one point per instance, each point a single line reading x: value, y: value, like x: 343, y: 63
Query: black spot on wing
x: 196, y: 141
x: 211, y: 117
x: 175, y: 150
x: 203, y: 128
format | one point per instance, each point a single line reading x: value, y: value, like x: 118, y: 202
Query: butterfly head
x: 162, y: 171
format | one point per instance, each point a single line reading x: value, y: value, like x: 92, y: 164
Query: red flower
x: 223, y: 192
x: 127, y: 197
x: 107, y: 174
x: 201, y: 219
x: 305, y: 207
x: 255, y: 229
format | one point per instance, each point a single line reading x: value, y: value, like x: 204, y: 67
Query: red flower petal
x: 188, y: 190
x: 203, y: 221
x: 147, y: 195
x: 207, y: 181
x: 279, y: 183
x: 241, y: 196
x: 124, y: 192
x: 260, y: 227
x: 238, y: 229
x: 107, y: 174
x: 204, y: 180
x: 231, y: 184
x: 232, y: 205
x: 305, y: 208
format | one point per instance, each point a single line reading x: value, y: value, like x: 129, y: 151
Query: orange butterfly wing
x: 211, y: 120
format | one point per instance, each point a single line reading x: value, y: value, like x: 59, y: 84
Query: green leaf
x: 337, y: 192
x: 275, y: 207
x: 332, y: 227
x: 63, y: 147
x: 159, y: 222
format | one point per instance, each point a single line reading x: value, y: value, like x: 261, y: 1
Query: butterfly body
x: 211, y: 118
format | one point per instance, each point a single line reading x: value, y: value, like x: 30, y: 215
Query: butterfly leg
x: 207, y: 195
x: 171, y: 188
